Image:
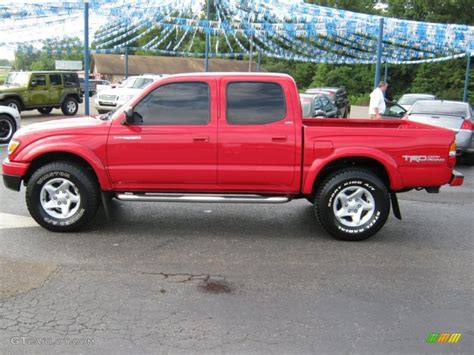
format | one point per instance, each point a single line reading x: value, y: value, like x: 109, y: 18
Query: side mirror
x: 34, y: 83
x: 129, y: 119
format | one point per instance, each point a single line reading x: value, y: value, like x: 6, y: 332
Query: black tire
x: 13, y: 103
x: 45, y: 110
x: 7, y: 128
x: 468, y: 158
x: 335, y: 188
x: 310, y: 199
x: 70, y: 106
x: 84, y: 185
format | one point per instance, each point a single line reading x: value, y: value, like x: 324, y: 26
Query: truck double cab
x: 231, y: 137
x: 42, y: 91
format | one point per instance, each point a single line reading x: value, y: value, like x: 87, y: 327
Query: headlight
x: 12, y: 146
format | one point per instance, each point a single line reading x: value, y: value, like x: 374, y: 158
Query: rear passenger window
x: 38, y: 80
x: 175, y: 104
x: 70, y: 80
x: 55, y: 79
x: 254, y: 103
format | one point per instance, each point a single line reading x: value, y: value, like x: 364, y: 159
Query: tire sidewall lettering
x: 348, y: 183
x: 53, y: 221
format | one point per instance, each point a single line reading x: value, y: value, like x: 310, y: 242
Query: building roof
x: 113, y: 64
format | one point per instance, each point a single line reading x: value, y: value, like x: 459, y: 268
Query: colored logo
x: 443, y: 338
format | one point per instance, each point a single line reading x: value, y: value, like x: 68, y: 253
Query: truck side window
x: 55, y: 79
x: 254, y: 103
x: 175, y: 104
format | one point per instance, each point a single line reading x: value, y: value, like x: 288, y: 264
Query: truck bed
x: 411, y: 152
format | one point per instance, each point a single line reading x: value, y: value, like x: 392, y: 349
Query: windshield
x: 306, y: 106
x: 136, y: 83
x: 459, y: 109
x: 17, y: 79
x: 410, y: 100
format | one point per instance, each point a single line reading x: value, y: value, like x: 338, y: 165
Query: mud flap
x: 105, y: 196
x: 395, y: 206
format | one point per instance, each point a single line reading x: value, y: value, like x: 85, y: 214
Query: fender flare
x: 40, y: 148
x: 14, y: 96
x: 385, y: 160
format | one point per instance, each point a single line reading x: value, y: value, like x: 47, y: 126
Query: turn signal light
x: 12, y: 146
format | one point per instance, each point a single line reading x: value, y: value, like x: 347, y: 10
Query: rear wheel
x: 70, y: 106
x: 62, y: 196
x: 7, y: 128
x: 352, y: 204
x: 45, y: 110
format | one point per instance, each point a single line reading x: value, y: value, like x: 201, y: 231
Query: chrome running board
x: 200, y: 198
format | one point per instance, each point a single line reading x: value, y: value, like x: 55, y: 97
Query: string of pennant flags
x: 282, y: 29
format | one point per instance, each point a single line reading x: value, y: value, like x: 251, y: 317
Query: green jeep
x: 42, y: 91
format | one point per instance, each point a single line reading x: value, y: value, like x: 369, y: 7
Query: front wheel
x: 12, y: 103
x: 62, y: 196
x: 70, y: 106
x: 352, y: 204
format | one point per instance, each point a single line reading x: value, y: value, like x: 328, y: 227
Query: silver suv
x: 112, y: 99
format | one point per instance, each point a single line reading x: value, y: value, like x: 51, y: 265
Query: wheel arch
x: 65, y: 95
x: 86, y: 161
x: 15, y: 97
x: 383, y: 166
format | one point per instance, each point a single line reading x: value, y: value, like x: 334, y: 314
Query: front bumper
x: 456, y: 179
x: 13, y: 173
x: 105, y: 107
x: 12, y: 182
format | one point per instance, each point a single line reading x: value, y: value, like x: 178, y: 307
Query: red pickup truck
x: 227, y: 137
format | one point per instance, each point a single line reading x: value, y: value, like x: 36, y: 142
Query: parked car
x: 95, y: 86
x: 9, y: 123
x: 407, y: 100
x: 111, y: 99
x: 103, y: 85
x: 454, y: 115
x: 318, y: 105
x: 338, y: 96
x: 393, y: 111
x: 226, y: 137
x: 43, y: 90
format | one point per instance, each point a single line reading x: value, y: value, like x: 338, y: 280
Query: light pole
x: 86, y: 57
x: 206, y: 61
x: 379, y: 54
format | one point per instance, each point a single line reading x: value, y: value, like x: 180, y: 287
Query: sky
x: 16, y: 30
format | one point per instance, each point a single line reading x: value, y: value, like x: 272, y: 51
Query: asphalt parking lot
x: 237, y: 278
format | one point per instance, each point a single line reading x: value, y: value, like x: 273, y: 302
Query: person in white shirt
x: 377, y: 101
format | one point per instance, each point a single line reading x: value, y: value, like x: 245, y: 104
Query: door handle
x: 279, y: 139
x: 201, y: 139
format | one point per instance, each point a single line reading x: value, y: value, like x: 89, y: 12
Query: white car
x: 112, y: 99
x: 407, y: 100
x: 9, y: 123
x: 103, y: 85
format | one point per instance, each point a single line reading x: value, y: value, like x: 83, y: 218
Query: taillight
x: 466, y: 125
x: 452, y: 149
x: 452, y: 155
